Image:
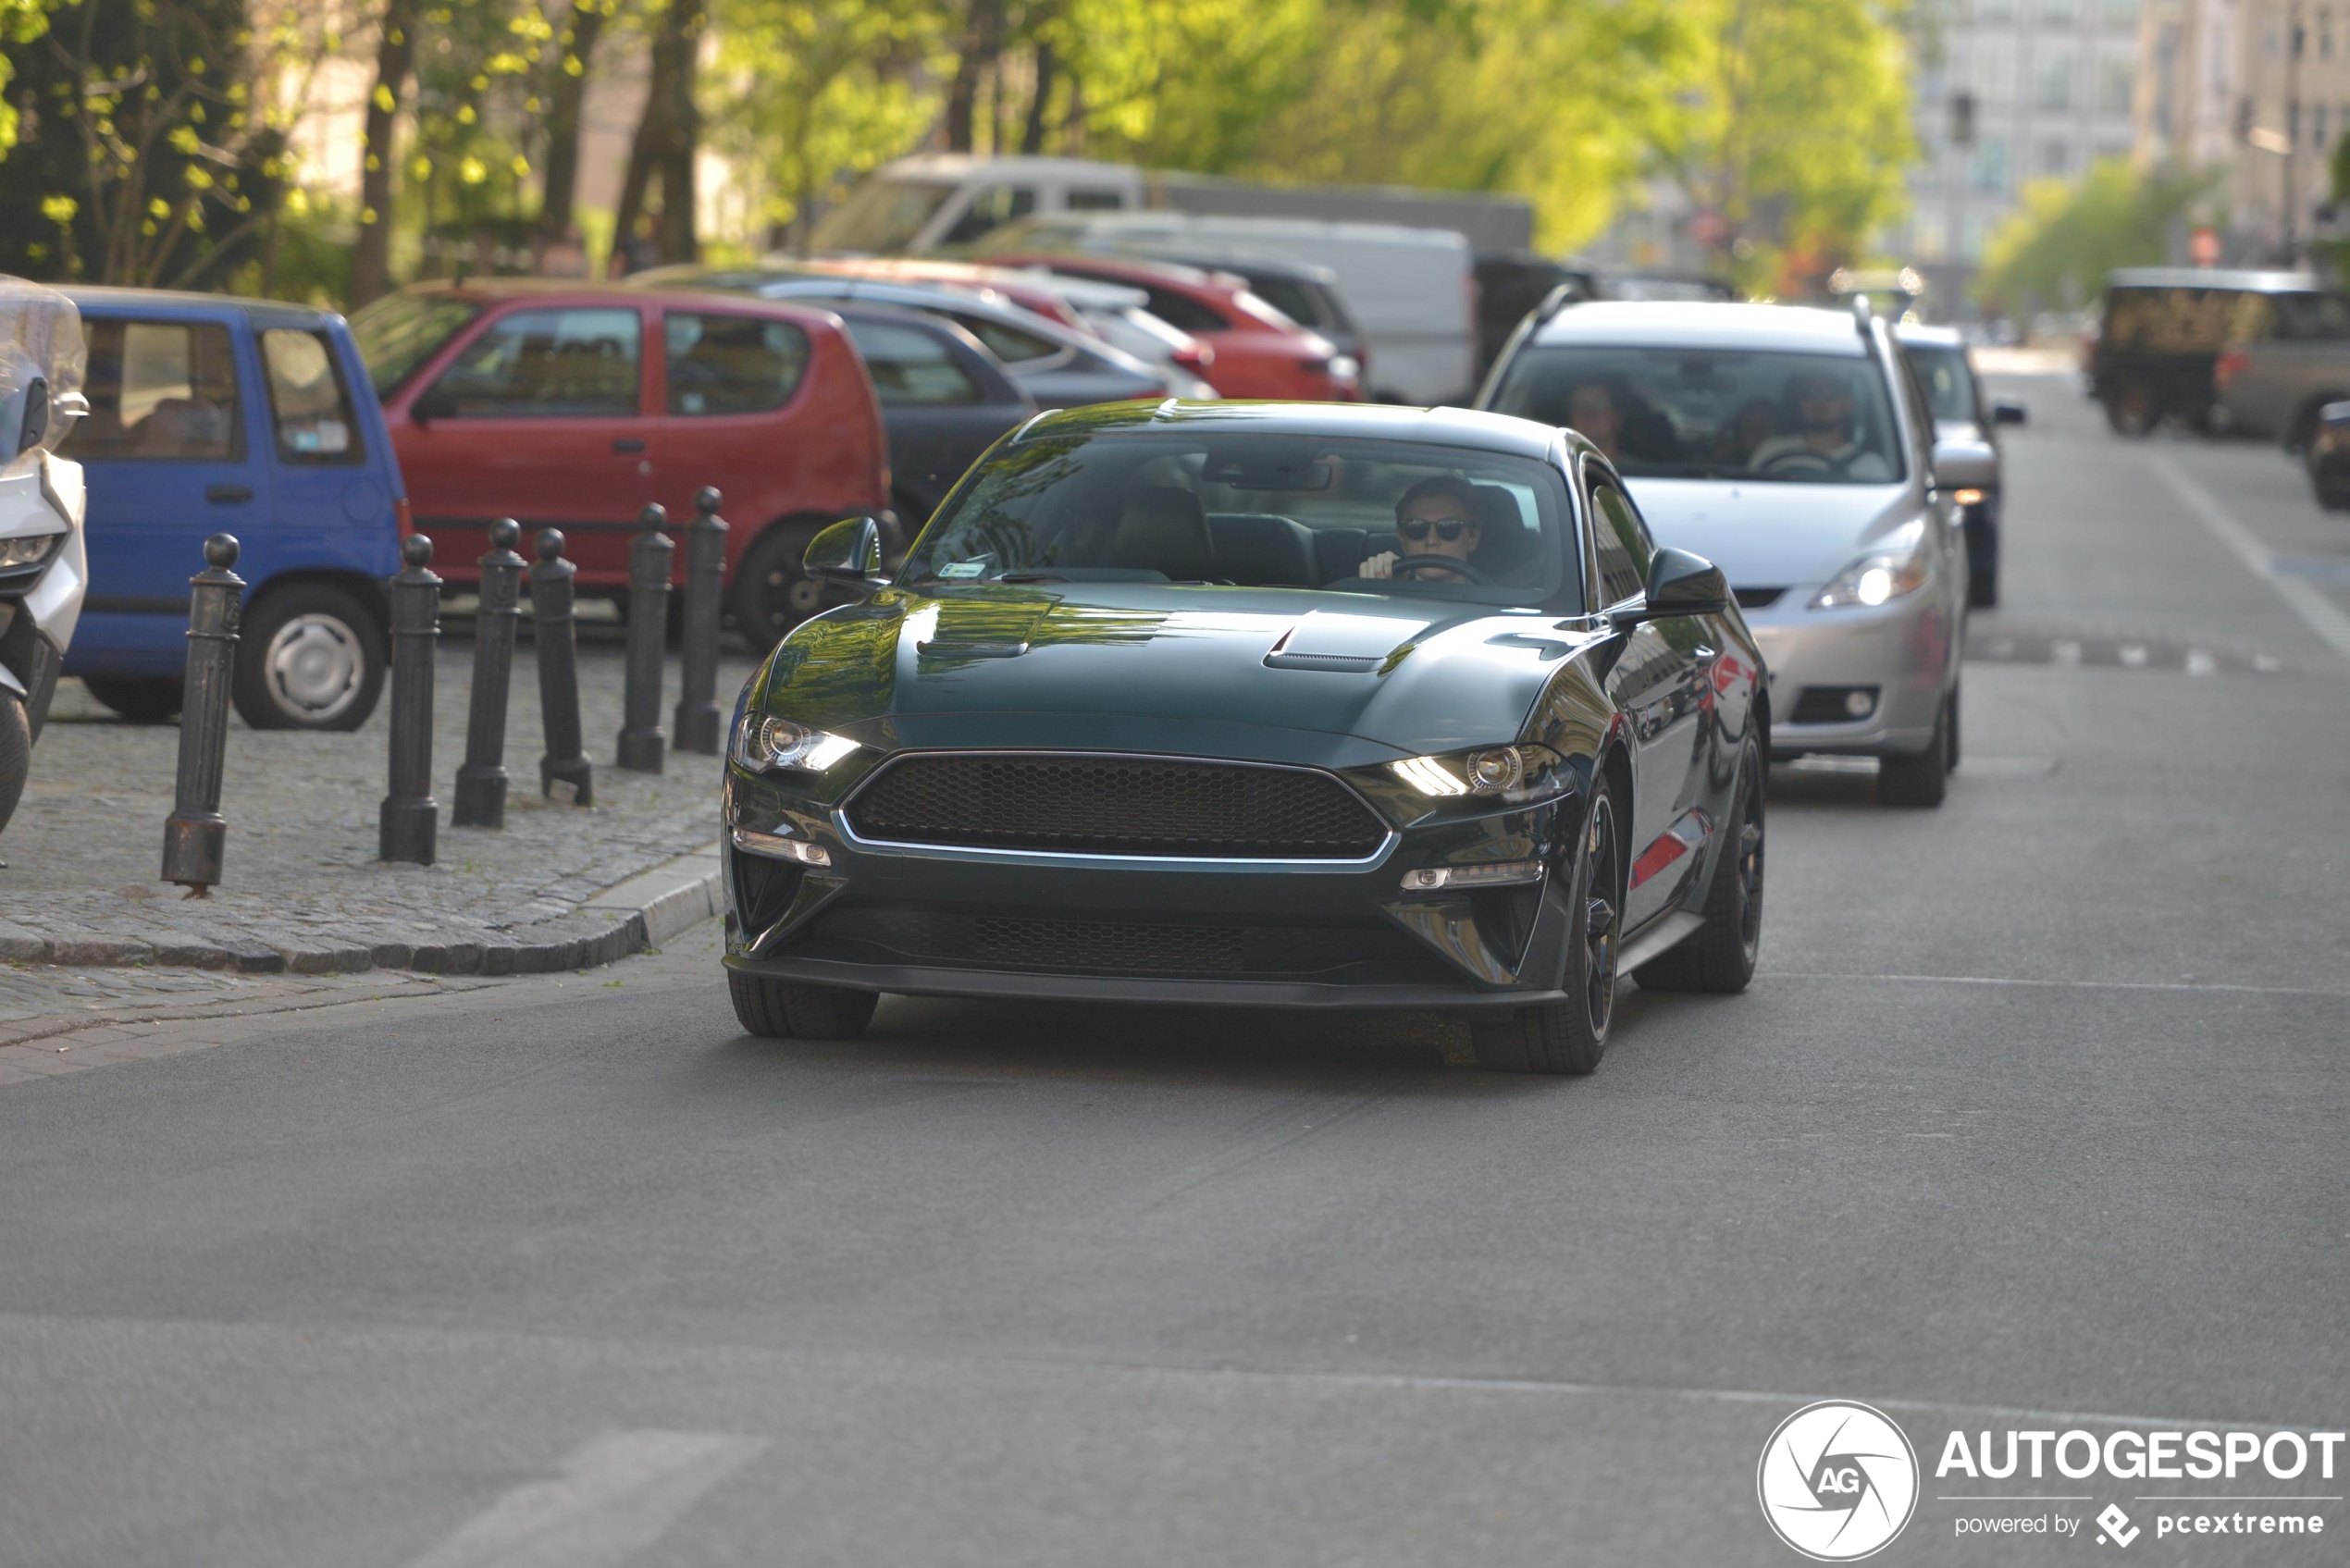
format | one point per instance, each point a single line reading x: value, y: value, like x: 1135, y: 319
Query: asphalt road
x: 2035, y: 1118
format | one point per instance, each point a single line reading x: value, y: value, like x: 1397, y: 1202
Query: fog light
x: 781, y: 848
x: 1859, y: 702
x: 1967, y: 497
x: 1491, y: 873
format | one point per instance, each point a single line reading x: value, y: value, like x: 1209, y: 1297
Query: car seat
x: 1263, y: 548
x: 1163, y: 528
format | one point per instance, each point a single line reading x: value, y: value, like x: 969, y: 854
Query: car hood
x: 1772, y: 535
x: 1347, y: 679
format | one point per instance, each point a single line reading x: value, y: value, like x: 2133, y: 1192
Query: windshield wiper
x: 1031, y: 578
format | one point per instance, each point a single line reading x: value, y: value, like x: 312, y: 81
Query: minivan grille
x: 1108, y: 805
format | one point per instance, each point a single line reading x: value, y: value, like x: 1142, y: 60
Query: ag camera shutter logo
x: 1838, y: 1481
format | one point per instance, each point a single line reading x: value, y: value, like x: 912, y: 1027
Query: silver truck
x: 2274, y: 374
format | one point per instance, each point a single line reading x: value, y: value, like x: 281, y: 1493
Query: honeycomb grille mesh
x: 1116, y: 805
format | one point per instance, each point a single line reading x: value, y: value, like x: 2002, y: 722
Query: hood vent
x: 1355, y: 644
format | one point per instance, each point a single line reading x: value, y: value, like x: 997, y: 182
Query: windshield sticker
x: 963, y: 569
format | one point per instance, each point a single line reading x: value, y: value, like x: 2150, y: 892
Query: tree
x: 565, y: 94
x: 22, y: 21
x: 395, y: 58
x: 668, y: 135
x: 2056, y: 248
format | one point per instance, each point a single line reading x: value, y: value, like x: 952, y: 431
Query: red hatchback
x: 576, y: 406
x: 1259, y: 352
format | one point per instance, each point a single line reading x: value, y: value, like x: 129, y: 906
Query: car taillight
x: 402, y: 518
x: 2229, y: 366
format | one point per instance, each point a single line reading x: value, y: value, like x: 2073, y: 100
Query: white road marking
x: 2133, y: 656
x: 2062, y: 984
x: 2317, y: 612
x: 2064, y: 653
x: 614, y: 1497
x: 2201, y: 663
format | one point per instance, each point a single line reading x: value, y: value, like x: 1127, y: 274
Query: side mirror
x: 433, y: 403
x: 1681, y: 583
x: 35, y: 429
x: 850, y: 552
x: 1965, y: 465
x: 2008, y: 413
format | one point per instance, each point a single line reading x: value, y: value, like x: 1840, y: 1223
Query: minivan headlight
x: 1898, y: 564
x: 765, y: 743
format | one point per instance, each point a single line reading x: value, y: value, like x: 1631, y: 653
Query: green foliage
x: 2056, y: 248
x: 22, y: 21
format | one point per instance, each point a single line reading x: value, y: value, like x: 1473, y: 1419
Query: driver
x: 1435, y: 517
x: 1823, y: 440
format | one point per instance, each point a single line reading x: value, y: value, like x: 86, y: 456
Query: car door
x: 730, y: 381
x: 1657, y: 685
x: 944, y: 401
x: 327, y: 502
x: 536, y: 413
x: 172, y: 456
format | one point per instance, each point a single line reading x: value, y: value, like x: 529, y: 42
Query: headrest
x: 1506, y: 542
x: 1163, y: 528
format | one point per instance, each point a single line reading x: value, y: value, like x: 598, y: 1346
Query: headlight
x: 28, y: 550
x: 765, y: 743
x: 1512, y: 772
x: 1897, y: 566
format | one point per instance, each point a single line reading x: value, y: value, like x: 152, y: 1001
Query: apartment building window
x: 1971, y: 234
x: 2055, y: 159
x: 2119, y: 16
x: 2317, y: 127
x: 2059, y: 13
x: 2052, y: 80
x: 2325, y: 32
x: 1988, y: 168
x: 1994, y: 73
x: 2117, y: 83
x: 1995, y: 10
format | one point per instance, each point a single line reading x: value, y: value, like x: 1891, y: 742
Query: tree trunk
x: 982, y: 40
x: 395, y: 58
x: 563, y: 101
x: 1031, y: 136
x: 667, y: 135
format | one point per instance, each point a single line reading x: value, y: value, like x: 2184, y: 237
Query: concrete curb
x: 644, y: 911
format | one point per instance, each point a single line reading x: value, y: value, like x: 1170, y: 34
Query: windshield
x: 1256, y: 510
x: 882, y: 216
x: 400, y: 332
x: 1713, y: 414
x: 1950, y: 387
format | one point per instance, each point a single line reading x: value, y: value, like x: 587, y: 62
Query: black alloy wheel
x: 1568, y: 1037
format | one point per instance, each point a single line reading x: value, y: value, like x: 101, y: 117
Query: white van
x: 1411, y: 292
x: 914, y: 205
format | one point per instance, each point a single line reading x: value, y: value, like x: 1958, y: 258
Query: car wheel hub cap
x: 314, y: 666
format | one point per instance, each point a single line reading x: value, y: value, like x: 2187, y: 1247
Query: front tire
x: 310, y: 656
x: 15, y: 755
x: 1720, y: 958
x: 771, y: 593
x: 141, y: 699
x: 1569, y: 1037
x: 1924, y: 779
x: 773, y: 1010
x: 2130, y: 409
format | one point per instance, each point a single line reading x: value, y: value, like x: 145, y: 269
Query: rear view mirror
x: 36, y: 428
x: 2008, y: 413
x: 848, y: 552
x: 1965, y: 465
x: 1681, y: 584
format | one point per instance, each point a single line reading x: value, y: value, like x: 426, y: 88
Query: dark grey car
x: 944, y: 398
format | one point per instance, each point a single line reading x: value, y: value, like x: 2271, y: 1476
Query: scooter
x: 43, y: 568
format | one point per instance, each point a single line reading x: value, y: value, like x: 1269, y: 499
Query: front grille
x: 1109, y: 945
x: 1100, y: 805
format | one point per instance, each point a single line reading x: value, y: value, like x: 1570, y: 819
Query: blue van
x: 212, y: 414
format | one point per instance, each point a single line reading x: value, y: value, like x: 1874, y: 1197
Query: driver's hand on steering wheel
x: 1380, y: 565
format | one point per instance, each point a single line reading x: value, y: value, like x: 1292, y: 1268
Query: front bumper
x: 953, y: 921
x: 1901, y: 649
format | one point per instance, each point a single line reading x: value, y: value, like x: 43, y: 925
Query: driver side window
x: 1621, y: 543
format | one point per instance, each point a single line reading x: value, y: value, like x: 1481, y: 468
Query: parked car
x: 1058, y: 366
x: 1792, y: 445
x: 1259, y: 352
x: 944, y: 400
x: 44, y: 562
x: 2327, y: 457
x: 2293, y: 360
x: 1945, y: 371
x: 1302, y: 706
x: 2161, y: 330
x: 576, y: 406
x: 215, y: 414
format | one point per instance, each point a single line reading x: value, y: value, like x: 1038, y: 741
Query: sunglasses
x: 1417, y: 528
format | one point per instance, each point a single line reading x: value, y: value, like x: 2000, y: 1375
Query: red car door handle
x: 628, y: 444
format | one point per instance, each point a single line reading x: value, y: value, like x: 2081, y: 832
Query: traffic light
x: 1962, y: 120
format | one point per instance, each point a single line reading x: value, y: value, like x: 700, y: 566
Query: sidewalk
x: 302, y: 891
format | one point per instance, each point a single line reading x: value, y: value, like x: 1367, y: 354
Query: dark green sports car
x: 1274, y: 705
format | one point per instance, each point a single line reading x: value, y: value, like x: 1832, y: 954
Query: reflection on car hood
x: 1183, y: 667
x: 1772, y: 535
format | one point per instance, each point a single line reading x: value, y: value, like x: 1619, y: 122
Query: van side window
x: 1085, y: 200
x: 992, y: 206
x: 309, y: 407
x: 909, y: 365
x: 1622, y: 546
x: 159, y: 391
x: 732, y: 364
x: 1007, y: 343
x: 543, y: 365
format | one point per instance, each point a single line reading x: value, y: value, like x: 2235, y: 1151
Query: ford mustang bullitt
x: 1272, y: 705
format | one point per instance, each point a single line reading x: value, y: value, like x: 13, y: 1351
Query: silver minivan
x: 1795, y: 449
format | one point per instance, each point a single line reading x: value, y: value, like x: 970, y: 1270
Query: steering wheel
x: 1805, y: 457
x: 1437, y: 563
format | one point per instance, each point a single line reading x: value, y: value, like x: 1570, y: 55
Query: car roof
x: 1929, y: 337
x: 273, y: 312
x: 616, y: 293
x: 960, y: 165
x: 1705, y: 324
x: 1433, y: 426
x: 1139, y: 269
x: 2212, y: 277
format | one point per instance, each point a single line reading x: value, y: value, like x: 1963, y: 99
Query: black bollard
x: 564, y: 772
x: 481, y: 780
x: 698, y: 719
x: 410, y: 820
x: 195, y: 835
x: 640, y: 738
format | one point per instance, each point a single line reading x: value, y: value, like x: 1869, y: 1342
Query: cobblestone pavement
x: 302, y: 890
